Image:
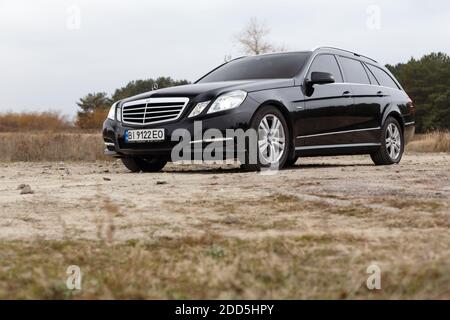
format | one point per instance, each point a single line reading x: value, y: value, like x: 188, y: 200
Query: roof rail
x: 348, y: 51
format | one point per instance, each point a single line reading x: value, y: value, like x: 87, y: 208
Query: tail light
x: 410, y: 106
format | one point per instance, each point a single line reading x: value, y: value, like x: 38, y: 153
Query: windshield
x: 272, y: 66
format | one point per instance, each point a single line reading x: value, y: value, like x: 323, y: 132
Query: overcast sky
x: 49, y: 57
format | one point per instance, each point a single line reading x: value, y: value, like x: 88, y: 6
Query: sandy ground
x: 216, y: 232
x: 101, y: 200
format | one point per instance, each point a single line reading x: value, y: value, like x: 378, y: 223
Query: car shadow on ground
x: 198, y: 169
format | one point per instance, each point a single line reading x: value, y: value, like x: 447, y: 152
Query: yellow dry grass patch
x: 51, y: 146
x: 437, y: 141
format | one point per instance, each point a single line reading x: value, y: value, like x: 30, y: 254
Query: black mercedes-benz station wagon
x: 326, y: 101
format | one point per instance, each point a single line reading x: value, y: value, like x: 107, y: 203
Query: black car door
x: 326, y: 108
x: 367, y: 98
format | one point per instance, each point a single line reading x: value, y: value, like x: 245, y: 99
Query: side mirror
x: 320, y: 78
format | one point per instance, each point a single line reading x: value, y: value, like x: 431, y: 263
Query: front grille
x: 153, y: 110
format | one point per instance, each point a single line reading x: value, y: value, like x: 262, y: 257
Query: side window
x: 383, y: 78
x: 372, y: 78
x: 353, y: 71
x: 326, y: 63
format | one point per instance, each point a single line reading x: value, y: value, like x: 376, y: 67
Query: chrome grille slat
x: 153, y: 110
x: 165, y: 107
x: 167, y: 104
x: 133, y: 113
x: 137, y: 108
x: 163, y: 111
x: 150, y: 112
x: 158, y: 117
x: 150, y: 116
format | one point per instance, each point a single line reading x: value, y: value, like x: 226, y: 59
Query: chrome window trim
x: 357, y: 58
x: 337, y: 132
x: 147, y: 101
x: 344, y: 50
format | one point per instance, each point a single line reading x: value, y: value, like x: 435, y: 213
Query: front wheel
x: 291, y: 162
x: 272, y: 145
x: 392, y: 144
x: 144, y: 164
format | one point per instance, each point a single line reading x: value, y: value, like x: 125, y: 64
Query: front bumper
x: 114, y: 131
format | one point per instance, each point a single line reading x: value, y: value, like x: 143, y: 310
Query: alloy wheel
x: 271, y: 139
x: 393, y: 141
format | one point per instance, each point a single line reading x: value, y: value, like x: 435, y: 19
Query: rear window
x: 272, y: 66
x: 383, y: 78
x: 353, y: 71
x: 372, y: 78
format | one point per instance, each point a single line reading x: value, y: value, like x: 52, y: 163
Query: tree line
x: 427, y: 82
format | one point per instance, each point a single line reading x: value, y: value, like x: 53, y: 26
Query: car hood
x: 210, y: 90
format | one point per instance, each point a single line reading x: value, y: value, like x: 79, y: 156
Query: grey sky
x: 44, y: 65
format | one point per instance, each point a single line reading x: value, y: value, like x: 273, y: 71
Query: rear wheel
x: 392, y: 144
x: 272, y: 140
x: 154, y: 164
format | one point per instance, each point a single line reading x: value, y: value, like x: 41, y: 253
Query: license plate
x: 144, y: 135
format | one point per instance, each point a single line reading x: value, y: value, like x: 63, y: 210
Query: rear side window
x: 372, y: 78
x: 353, y: 71
x: 383, y: 78
x: 326, y: 63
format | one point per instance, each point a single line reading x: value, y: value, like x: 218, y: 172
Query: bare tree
x: 253, y: 38
x: 227, y: 57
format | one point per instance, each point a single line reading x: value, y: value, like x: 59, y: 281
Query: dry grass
x: 48, y: 136
x: 437, y: 141
x: 51, y: 146
x: 34, y: 121
x: 327, y: 266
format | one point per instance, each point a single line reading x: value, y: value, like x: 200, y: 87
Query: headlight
x: 118, y: 111
x: 228, y: 101
x: 112, y: 112
x: 199, y: 107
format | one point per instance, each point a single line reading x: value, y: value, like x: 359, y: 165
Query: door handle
x: 380, y: 93
x: 346, y: 93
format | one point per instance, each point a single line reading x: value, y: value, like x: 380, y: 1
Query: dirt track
x: 320, y: 195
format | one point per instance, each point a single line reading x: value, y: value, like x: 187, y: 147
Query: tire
x: 273, y: 133
x: 144, y: 164
x: 392, y: 144
x: 291, y: 162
